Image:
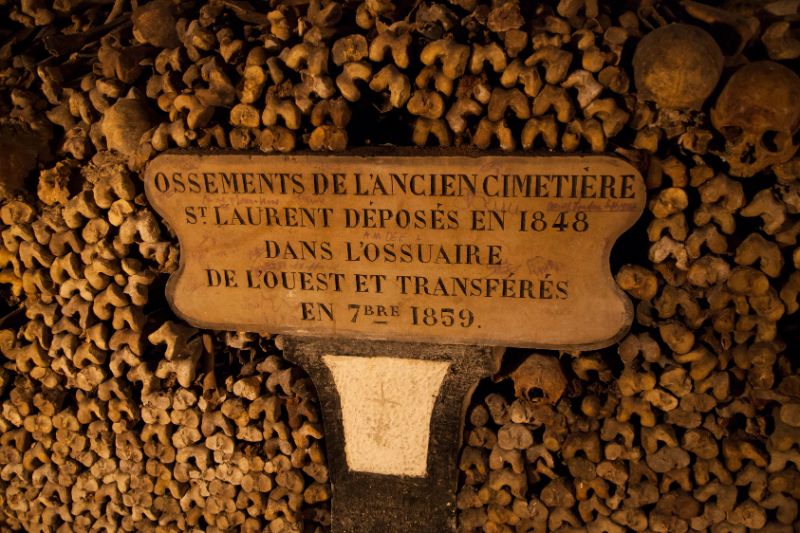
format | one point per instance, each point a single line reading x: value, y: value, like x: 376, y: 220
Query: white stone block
x: 387, y: 404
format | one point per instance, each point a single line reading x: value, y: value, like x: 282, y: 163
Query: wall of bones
x: 117, y: 416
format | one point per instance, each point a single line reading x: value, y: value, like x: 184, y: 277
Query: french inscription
x: 492, y: 250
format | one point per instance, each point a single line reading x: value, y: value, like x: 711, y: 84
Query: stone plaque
x: 507, y: 250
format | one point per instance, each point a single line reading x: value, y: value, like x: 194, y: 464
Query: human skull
x: 677, y: 66
x: 124, y: 123
x: 758, y: 112
x: 542, y: 372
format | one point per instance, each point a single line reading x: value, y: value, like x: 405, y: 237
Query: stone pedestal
x: 393, y: 415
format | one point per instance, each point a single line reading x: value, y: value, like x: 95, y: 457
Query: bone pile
x: 117, y: 416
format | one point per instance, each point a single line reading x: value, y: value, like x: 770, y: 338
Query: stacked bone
x: 689, y: 423
x: 230, y: 75
x: 116, y: 417
x: 299, y: 83
x: 117, y: 414
x: 656, y: 441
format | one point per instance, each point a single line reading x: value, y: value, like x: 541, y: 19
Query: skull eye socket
x: 535, y: 393
x: 732, y: 133
x: 771, y: 139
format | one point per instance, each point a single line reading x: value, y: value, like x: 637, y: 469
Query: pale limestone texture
x: 387, y: 404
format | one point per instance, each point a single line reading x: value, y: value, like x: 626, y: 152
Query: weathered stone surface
x: 380, y: 491
x: 384, y: 432
x: 492, y: 250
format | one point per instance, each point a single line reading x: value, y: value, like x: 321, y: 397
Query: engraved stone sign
x: 508, y: 250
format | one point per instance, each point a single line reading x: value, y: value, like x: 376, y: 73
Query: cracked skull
x: 758, y: 113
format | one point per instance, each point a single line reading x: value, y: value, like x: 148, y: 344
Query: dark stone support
x: 369, y: 502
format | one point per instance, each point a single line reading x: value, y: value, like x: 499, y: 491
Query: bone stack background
x: 116, y: 416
